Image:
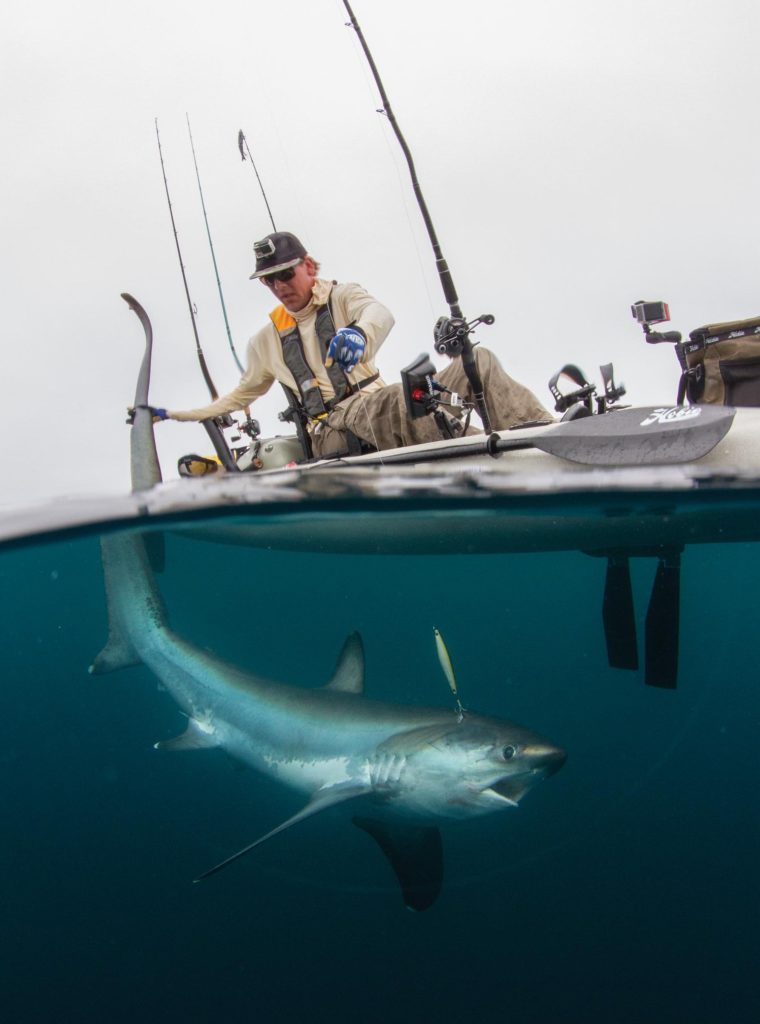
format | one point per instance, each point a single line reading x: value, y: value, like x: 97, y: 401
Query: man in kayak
x: 321, y: 342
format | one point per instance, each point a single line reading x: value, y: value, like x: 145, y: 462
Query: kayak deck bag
x: 721, y: 364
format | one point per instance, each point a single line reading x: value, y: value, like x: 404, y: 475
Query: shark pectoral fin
x: 197, y: 736
x: 348, y: 676
x: 415, y: 852
x: 321, y: 800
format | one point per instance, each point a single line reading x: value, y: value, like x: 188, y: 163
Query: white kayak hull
x: 447, y: 497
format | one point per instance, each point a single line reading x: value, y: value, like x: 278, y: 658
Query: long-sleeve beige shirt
x: 350, y: 304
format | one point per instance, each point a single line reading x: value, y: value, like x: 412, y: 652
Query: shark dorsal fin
x: 348, y: 676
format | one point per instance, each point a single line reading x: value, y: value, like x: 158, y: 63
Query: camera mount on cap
x: 264, y: 249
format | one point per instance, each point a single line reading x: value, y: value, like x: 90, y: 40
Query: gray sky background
x: 576, y: 155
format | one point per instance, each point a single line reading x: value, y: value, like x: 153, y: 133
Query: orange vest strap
x: 282, y: 320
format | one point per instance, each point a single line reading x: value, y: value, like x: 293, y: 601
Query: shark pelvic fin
x: 415, y: 852
x: 197, y: 736
x: 348, y: 676
x: 321, y: 800
x: 117, y: 653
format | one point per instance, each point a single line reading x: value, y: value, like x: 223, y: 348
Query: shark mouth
x: 511, y: 789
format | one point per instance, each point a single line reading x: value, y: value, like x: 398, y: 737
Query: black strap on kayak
x: 585, y: 390
x: 466, y: 349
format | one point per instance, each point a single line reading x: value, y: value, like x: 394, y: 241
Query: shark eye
x: 508, y: 752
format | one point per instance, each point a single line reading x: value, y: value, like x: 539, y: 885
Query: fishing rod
x: 201, y: 359
x: 452, y: 334
x: 211, y: 246
x: 243, y: 142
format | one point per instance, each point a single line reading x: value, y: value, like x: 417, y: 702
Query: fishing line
x: 211, y: 246
x: 369, y: 421
x: 382, y: 129
x: 407, y: 214
x: 245, y: 148
x: 199, y: 351
x: 455, y: 339
x: 275, y: 103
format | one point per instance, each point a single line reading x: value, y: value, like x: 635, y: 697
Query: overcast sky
x: 576, y: 155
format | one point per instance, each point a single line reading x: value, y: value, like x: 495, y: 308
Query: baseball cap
x: 276, y: 252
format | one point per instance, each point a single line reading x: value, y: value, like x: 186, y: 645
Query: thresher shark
x: 402, y: 767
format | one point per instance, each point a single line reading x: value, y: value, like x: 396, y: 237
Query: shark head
x: 465, y: 768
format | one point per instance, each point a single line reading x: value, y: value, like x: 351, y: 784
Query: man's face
x: 295, y: 293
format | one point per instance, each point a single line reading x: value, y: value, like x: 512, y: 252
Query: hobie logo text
x: 673, y: 415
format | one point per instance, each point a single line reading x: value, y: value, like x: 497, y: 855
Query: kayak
x: 671, y: 457
x: 630, y: 483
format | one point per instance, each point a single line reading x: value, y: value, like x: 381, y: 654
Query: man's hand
x: 155, y: 412
x: 346, y: 348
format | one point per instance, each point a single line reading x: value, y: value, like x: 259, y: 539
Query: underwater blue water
x: 625, y: 888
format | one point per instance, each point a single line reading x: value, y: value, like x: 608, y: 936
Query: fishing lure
x: 448, y: 670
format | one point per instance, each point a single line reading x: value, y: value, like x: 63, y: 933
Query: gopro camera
x: 650, y: 312
x: 264, y: 249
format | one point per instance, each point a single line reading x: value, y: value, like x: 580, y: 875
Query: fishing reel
x: 450, y: 333
x: 250, y: 427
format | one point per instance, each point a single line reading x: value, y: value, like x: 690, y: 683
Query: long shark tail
x: 135, y: 608
x: 136, y: 612
x: 146, y: 471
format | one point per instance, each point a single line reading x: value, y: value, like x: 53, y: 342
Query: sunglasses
x: 282, y: 276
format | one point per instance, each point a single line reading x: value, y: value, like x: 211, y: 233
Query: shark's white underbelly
x: 294, y: 767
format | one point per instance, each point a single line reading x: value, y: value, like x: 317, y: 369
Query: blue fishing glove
x: 346, y: 348
x: 155, y: 412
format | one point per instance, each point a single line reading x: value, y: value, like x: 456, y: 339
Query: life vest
x: 295, y: 360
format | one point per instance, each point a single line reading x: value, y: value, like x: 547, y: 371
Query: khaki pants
x: 380, y: 417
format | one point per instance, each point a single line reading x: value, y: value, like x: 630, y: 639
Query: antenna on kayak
x: 452, y: 334
x: 244, y: 148
x: 211, y: 246
x: 201, y: 359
